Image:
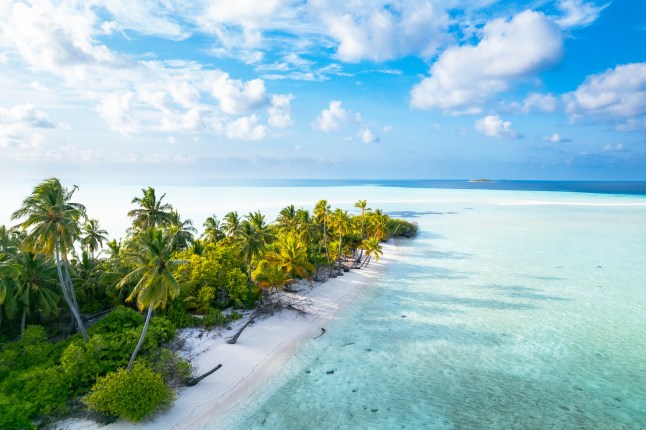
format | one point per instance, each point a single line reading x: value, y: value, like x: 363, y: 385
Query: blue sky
x: 111, y: 90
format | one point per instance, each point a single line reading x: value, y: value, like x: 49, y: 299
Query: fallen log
x: 234, y: 339
x: 193, y: 381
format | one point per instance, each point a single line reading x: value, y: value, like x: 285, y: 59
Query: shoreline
x: 261, y: 350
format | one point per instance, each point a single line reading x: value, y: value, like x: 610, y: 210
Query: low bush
x: 131, y: 395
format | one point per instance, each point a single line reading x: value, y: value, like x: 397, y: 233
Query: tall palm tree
x: 231, y: 223
x: 308, y: 232
x: 213, y: 229
x: 372, y: 246
x: 94, y: 236
x: 53, y: 224
x: 151, y: 257
x: 321, y: 212
x: 362, y: 204
x: 250, y: 244
x: 182, y: 231
x: 340, y: 222
x: 151, y: 212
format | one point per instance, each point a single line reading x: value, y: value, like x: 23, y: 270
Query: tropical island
x: 88, y: 328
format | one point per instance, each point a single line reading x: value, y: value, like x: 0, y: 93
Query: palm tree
x: 362, y: 204
x: 250, y: 244
x: 231, y: 223
x: 182, y: 231
x: 9, y: 273
x: 287, y: 219
x: 321, y: 211
x: 52, y: 221
x: 291, y: 257
x: 213, y: 230
x: 151, y: 257
x: 94, y: 236
x: 151, y: 212
x: 268, y: 275
x: 372, y: 246
x: 340, y: 221
x: 308, y: 232
x: 37, y: 274
x: 379, y: 224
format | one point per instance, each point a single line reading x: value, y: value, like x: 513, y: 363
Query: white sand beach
x: 258, y: 354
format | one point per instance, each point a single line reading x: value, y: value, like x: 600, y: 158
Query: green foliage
x: 177, y: 313
x: 174, y: 369
x: 401, y: 228
x: 121, y: 318
x: 214, y: 318
x: 31, y: 350
x: 13, y: 415
x: 131, y: 395
x: 237, y: 287
x: 42, y: 390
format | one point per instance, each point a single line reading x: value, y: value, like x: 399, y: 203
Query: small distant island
x: 480, y: 180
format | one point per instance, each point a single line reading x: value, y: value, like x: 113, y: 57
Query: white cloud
x: 556, y: 138
x: 331, y: 119
x: 614, y: 148
x: 494, y: 126
x: 380, y: 31
x: 280, y: 111
x: 540, y: 102
x: 509, y: 51
x: 115, y: 111
x: 236, y: 96
x: 246, y: 128
x: 578, y: 13
x: 387, y: 128
x: 19, y: 124
x: 367, y: 136
x: 617, y: 95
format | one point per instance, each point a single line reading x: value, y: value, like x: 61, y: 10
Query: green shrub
x: 174, y: 369
x: 31, y: 350
x: 131, y: 395
x: 13, y: 414
x: 41, y: 390
x: 120, y: 319
x: 214, y: 318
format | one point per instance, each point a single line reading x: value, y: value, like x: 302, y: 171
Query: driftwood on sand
x: 193, y: 381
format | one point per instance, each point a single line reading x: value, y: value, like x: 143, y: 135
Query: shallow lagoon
x: 508, y: 311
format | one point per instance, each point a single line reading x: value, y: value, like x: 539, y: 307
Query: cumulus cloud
x: 617, y: 95
x: 331, y: 119
x: 246, y: 128
x: 578, y: 13
x: 367, y: 136
x: 236, y: 96
x: 19, y: 125
x: 384, y: 30
x: 540, y: 102
x: 508, y: 51
x: 280, y: 111
x: 494, y: 126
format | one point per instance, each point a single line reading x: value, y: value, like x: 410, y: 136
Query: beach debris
x: 234, y: 339
x: 193, y: 381
x: 322, y: 333
x: 330, y: 372
x: 347, y: 344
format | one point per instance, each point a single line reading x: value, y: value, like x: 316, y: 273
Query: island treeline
x: 87, y: 322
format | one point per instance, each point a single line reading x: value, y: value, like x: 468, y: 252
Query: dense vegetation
x: 71, y: 321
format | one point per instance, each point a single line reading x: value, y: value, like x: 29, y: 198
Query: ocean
x: 517, y: 308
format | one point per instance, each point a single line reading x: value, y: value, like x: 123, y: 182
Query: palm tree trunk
x: 340, y: 243
x: 141, y: 339
x: 22, y: 323
x: 70, y: 285
x: 325, y: 238
x: 66, y: 296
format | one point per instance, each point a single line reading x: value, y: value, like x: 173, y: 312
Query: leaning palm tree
x: 94, y: 236
x: 53, y: 225
x: 151, y: 257
x: 372, y: 246
x: 151, y: 212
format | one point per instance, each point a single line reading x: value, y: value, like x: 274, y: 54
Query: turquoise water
x: 500, y: 315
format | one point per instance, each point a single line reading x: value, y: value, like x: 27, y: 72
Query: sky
x: 196, y: 90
